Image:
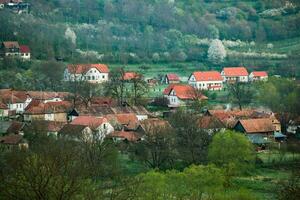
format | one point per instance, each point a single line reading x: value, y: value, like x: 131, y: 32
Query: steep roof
x: 12, y: 96
x: 235, y: 71
x: 210, y: 122
x: 24, y: 49
x: 11, y: 44
x: 260, y: 73
x: 208, y: 76
x: 173, y: 77
x: 92, y: 122
x: 83, y: 68
x: 184, y: 92
x: 125, y: 135
x: 257, y: 125
x: 47, y: 126
x: 15, y: 127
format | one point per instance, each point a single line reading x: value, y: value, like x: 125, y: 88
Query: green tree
x: 233, y: 152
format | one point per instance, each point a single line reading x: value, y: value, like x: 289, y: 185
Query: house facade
x: 258, y: 76
x: 207, y: 80
x: 179, y: 95
x: 171, y: 79
x: 235, y: 74
x: 93, y: 73
x: 13, y: 49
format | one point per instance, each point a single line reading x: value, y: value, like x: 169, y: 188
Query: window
x: 103, y: 76
x: 104, y: 126
x: 93, y: 77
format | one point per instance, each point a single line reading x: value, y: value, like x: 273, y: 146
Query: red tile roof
x: 11, y: 139
x: 130, y: 120
x: 257, y: 125
x: 235, y: 71
x: 125, y: 135
x: 208, y: 76
x: 24, y: 49
x: 11, y: 96
x: 173, y: 77
x: 50, y: 107
x: 11, y: 44
x: 184, y: 92
x: 83, y: 68
x: 92, y: 122
x: 130, y: 75
x: 260, y: 73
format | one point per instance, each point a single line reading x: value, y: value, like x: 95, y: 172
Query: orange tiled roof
x: 260, y: 73
x: 235, y: 71
x: 184, y: 91
x: 173, y: 77
x: 128, y: 119
x: 24, y: 49
x: 208, y: 76
x: 126, y: 135
x: 50, y: 107
x: 92, y: 122
x: 130, y: 75
x: 83, y: 68
x: 257, y: 125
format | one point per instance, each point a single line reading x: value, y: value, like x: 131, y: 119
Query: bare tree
x: 240, y: 93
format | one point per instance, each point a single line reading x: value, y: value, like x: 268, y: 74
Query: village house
x: 50, y: 111
x: 12, y: 141
x: 128, y: 76
x: 211, y: 124
x: 75, y: 132
x: 124, y: 121
x: 13, y: 49
x: 18, y: 101
x: 93, y: 73
x: 153, y: 126
x: 258, y: 76
x: 207, y: 80
x: 4, y: 111
x: 49, y: 128
x: 128, y: 136
x: 99, y: 125
x: 171, y: 79
x: 11, y: 127
x: 234, y: 74
x: 180, y: 95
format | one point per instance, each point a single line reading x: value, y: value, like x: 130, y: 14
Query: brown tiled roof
x: 257, y: 125
x: 11, y: 44
x: 50, y: 107
x: 15, y: 127
x: 173, y: 77
x: 154, y: 123
x: 129, y: 120
x: 130, y: 75
x: 11, y: 139
x: 72, y: 129
x: 210, y: 122
x: 47, y: 126
x: 125, y: 135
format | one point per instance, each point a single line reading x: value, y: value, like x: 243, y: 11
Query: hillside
x: 259, y: 33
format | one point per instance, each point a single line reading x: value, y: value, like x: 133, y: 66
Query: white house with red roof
x: 235, y: 74
x: 25, y: 52
x: 99, y: 125
x: 207, y: 80
x: 258, y: 76
x: 93, y: 73
x: 13, y: 49
x: 171, y: 79
x: 179, y: 95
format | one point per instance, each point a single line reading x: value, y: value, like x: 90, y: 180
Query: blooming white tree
x: 70, y: 35
x: 216, y: 52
